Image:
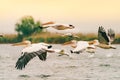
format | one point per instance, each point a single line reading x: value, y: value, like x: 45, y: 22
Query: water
x: 103, y: 66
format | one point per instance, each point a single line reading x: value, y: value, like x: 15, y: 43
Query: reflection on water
x: 27, y: 76
x: 79, y: 67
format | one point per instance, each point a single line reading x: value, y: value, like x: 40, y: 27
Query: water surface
x: 103, y: 66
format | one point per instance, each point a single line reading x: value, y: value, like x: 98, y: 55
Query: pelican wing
x: 102, y: 36
x: 111, y: 34
x: 59, y: 27
x: 26, y: 57
x: 43, y: 56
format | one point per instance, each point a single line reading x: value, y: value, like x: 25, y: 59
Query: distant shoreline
x: 49, y: 37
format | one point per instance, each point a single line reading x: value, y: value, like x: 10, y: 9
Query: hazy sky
x: 85, y: 15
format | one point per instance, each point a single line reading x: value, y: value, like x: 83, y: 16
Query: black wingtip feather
x: 102, y: 34
x: 42, y: 56
x: 24, y: 59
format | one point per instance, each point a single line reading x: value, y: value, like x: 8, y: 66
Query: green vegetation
x: 28, y: 29
x: 27, y: 26
x: 9, y: 38
x: 52, y: 38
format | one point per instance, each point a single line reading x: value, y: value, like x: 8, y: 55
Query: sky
x: 85, y: 15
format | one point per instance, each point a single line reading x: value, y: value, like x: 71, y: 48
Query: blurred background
x: 85, y: 15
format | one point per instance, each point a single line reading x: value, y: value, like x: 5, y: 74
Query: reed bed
x: 48, y: 37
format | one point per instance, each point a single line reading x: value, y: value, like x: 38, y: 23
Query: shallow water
x: 105, y: 65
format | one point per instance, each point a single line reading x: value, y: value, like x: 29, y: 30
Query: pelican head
x: 71, y: 26
x: 25, y: 43
x: 45, y: 44
x: 62, y: 52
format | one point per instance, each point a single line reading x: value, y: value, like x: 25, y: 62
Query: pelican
x: 105, y: 39
x: 80, y: 46
x: 30, y: 51
x: 57, y: 26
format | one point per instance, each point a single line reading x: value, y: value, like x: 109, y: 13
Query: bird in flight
x: 106, y: 38
x: 30, y: 51
x: 57, y: 26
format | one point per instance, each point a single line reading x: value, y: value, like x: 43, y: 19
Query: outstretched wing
x: 102, y: 36
x: 26, y: 57
x: 111, y: 34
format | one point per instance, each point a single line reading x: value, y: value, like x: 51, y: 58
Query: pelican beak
x: 68, y: 43
x: 91, y: 42
x: 113, y: 47
x: 72, y: 44
x: 19, y: 44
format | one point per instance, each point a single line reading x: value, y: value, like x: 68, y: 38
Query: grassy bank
x: 59, y: 38
x: 52, y: 38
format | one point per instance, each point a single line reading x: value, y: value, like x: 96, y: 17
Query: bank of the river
x: 52, y: 37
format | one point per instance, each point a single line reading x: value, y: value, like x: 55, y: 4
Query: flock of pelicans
x: 40, y: 49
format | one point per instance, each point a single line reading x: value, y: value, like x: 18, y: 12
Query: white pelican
x: 105, y: 39
x: 57, y: 26
x: 31, y: 51
x: 80, y: 46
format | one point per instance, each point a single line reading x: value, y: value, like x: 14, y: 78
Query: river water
x: 105, y: 65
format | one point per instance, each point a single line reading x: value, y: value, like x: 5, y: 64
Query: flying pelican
x: 80, y: 46
x: 105, y: 39
x: 32, y: 50
x: 57, y: 26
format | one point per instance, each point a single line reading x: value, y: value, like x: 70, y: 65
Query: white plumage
x: 35, y: 47
x: 57, y: 26
x: 31, y: 51
x: 80, y: 46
